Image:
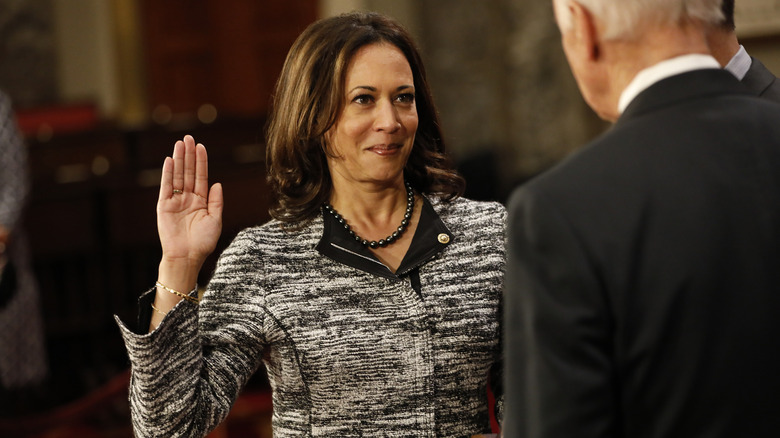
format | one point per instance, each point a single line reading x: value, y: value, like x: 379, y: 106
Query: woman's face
x: 374, y: 133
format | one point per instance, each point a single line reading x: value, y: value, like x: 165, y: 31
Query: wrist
x: 178, y: 274
x: 186, y: 295
x: 179, y: 268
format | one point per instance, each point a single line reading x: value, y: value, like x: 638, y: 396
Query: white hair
x: 623, y: 18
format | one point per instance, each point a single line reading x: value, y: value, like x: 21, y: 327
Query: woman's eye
x: 406, y: 98
x: 363, y: 99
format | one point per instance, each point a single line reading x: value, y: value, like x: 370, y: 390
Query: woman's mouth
x: 385, y: 149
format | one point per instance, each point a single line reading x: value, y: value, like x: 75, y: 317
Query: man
x: 723, y: 43
x: 642, y: 282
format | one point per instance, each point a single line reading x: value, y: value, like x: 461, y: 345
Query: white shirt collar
x: 663, y: 70
x: 739, y: 63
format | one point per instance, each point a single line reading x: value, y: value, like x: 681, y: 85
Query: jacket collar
x: 758, y: 77
x: 337, y: 244
x: 680, y: 88
x: 662, y: 70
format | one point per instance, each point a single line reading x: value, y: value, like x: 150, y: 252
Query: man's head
x: 626, y: 19
x: 607, y: 42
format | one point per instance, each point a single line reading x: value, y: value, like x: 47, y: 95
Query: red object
x: 56, y: 119
x: 492, y: 410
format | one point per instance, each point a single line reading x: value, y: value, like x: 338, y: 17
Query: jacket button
x: 444, y: 238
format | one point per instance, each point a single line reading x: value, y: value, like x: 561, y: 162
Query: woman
x: 373, y: 295
x: 23, y: 364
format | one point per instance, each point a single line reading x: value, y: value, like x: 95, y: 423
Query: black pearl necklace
x: 387, y: 240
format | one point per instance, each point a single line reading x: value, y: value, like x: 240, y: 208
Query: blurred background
x: 103, y: 88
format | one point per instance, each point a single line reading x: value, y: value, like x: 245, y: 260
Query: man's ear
x: 586, y: 30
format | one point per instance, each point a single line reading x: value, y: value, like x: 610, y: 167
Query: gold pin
x: 444, y: 238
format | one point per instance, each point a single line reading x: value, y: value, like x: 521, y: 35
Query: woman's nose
x: 387, y: 118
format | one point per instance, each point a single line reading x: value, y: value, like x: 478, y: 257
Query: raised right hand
x: 189, y: 215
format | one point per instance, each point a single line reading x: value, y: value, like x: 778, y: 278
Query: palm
x: 189, y: 216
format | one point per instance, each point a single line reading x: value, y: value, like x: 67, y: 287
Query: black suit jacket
x: 643, y: 294
x: 761, y: 81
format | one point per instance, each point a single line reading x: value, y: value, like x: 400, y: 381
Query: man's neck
x: 723, y: 44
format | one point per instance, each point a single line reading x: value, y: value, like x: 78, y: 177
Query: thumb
x: 216, y: 202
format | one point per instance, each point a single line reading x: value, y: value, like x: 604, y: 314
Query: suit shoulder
x: 274, y: 235
x: 464, y: 207
x: 473, y: 218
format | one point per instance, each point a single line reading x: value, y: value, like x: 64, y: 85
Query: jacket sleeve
x: 497, y: 370
x: 188, y: 372
x: 559, y: 376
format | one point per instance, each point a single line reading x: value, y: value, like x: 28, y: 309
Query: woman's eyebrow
x: 370, y: 88
x: 363, y: 87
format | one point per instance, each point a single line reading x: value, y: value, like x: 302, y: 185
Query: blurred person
x: 725, y: 47
x: 23, y: 364
x: 642, y: 277
x: 373, y: 295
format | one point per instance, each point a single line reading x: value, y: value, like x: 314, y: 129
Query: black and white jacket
x: 351, y: 349
x: 22, y: 336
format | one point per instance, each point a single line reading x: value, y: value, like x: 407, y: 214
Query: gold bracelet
x: 158, y: 310
x: 179, y: 294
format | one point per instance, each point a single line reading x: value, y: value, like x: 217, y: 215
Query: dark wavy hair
x: 308, y: 99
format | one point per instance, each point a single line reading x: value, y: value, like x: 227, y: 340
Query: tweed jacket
x: 14, y: 185
x: 22, y: 337
x: 348, y: 352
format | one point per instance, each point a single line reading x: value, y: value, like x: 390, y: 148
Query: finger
x: 166, y: 181
x: 216, y: 202
x: 201, y: 171
x: 189, y: 163
x: 178, y: 166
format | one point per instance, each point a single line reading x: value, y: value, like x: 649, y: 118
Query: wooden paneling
x: 227, y: 53
x: 93, y: 231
